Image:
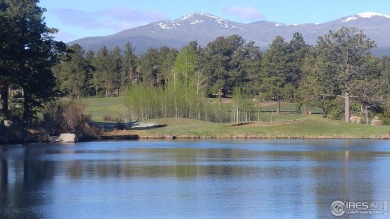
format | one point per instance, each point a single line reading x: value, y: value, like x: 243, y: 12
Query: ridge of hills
x: 204, y: 28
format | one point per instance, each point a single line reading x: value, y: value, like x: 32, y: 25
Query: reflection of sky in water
x: 218, y: 179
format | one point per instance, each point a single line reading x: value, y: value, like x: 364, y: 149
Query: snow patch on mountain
x: 168, y: 25
x: 372, y: 14
x: 364, y: 15
x: 197, y: 22
x: 196, y: 19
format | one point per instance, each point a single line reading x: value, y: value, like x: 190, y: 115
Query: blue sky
x: 81, y: 18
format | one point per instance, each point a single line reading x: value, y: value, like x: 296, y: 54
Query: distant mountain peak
x: 199, y: 18
x: 204, y: 28
x: 372, y: 14
x: 365, y: 15
x: 198, y: 15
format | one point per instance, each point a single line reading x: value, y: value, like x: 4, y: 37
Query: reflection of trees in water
x: 284, y: 175
x: 191, y: 162
x: 166, y: 162
x: 21, y: 179
x: 344, y: 176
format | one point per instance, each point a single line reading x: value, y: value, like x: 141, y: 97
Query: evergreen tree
x: 129, y: 70
x: 298, y: 50
x: 104, y: 77
x: 225, y: 59
x: 347, y: 49
x: 74, y: 73
x: 150, y: 66
x: 319, y: 86
x: 90, y: 69
x: 275, y: 71
x: 28, y: 54
x: 116, y: 58
x: 167, y: 58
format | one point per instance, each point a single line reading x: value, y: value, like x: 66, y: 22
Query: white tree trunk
x: 346, y: 107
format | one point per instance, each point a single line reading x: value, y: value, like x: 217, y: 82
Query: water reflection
x: 241, y: 179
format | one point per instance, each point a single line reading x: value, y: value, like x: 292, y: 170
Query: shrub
x: 61, y: 117
x: 109, y: 118
x: 385, y: 117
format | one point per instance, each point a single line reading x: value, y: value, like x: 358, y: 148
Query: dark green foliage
x: 275, y: 71
x: 310, y: 76
x: 105, y: 75
x: 228, y: 63
x: 129, y: 74
x: 156, y: 65
x: 385, y: 117
x: 28, y: 53
x: 282, y: 69
x: 348, y: 52
x: 73, y: 74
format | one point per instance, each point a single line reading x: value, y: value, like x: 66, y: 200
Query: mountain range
x: 204, y: 28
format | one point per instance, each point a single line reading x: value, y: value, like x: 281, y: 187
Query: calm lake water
x: 192, y: 179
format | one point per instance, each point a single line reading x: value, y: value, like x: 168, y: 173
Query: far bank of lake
x: 310, y: 127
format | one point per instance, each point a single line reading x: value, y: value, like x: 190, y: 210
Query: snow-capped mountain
x: 196, y: 19
x: 204, y: 28
x: 365, y: 15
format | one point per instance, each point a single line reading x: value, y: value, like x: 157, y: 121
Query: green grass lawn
x: 100, y: 107
x: 309, y: 127
x: 115, y: 107
x: 285, y: 124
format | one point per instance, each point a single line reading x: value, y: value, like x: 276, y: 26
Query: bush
x: 385, y: 117
x: 109, y: 118
x: 69, y: 117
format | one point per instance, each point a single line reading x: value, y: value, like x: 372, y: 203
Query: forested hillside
x: 339, y: 73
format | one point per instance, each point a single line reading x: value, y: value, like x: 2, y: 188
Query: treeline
x: 337, y: 74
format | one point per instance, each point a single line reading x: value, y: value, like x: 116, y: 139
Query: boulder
x: 376, y: 122
x: 8, y: 123
x: 355, y: 119
x: 67, y: 138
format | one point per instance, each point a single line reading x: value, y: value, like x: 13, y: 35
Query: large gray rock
x: 67, y: 138
x: 8, y: 123
x: 376, y: 121
x: 355, y: 119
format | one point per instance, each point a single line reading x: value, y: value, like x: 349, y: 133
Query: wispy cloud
x: 112, y: 18
x: 244, y: 12
x: 120, y: 18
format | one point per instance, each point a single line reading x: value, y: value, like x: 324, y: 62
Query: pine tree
x: 28, y: 54
x: 347, y: 49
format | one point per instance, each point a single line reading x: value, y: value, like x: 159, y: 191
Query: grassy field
x: 287, y: 124
x: 309, y: 127
x: 100, y: 107
x: 115, y: 107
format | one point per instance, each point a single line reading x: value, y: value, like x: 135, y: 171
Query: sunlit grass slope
x: 309, y: 127
x: 271, y: 124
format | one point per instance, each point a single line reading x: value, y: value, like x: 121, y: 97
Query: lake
x: 194, y: 179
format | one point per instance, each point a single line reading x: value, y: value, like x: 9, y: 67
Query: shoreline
x: 187, y: 129
x: 144, y: 136
x: 135, y: 137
